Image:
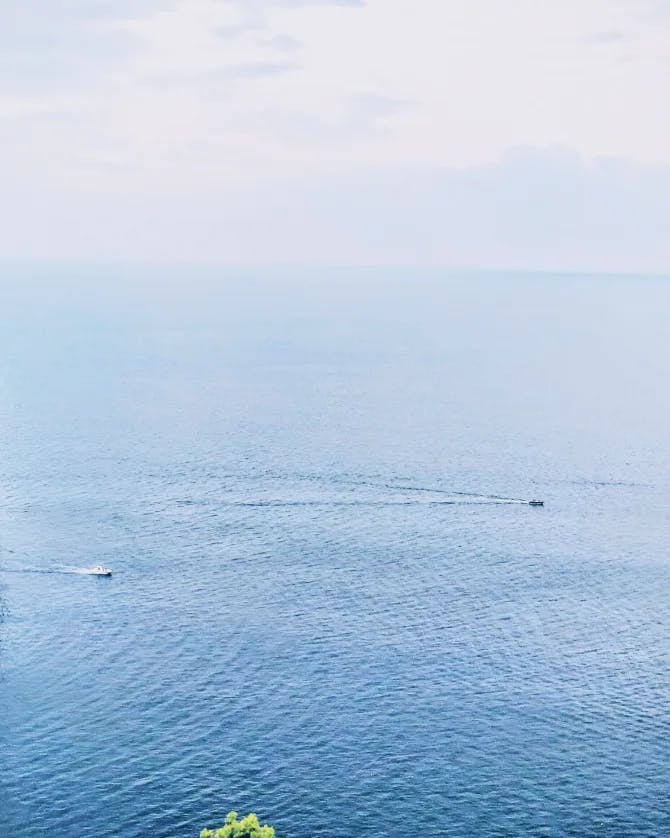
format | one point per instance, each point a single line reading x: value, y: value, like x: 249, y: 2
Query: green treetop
x: 246, y: 828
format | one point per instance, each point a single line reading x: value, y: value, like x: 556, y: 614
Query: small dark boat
x: 535, y: 503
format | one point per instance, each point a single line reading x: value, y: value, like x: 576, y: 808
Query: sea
x: 331, y: 603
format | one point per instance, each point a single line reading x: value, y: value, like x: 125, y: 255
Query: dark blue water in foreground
x: 322, y: 609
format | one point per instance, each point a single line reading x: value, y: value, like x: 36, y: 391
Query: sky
x: 530, y: 134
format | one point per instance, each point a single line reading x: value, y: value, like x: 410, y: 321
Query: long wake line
x: 379, y: 503
x: 81, y: 571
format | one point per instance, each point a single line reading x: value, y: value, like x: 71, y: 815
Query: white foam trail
x: 82, y: 571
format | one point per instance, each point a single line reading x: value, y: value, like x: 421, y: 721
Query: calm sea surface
x: 329, y: 605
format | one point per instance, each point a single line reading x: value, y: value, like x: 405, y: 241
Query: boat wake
x: 80, y: 571
x: 381, y: 503
x: 319, y: 491
x: 467, y: 497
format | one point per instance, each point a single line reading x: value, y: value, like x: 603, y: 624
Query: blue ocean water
x: 329, y: 604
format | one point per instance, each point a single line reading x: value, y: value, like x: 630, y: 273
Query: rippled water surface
x: 330, y: 604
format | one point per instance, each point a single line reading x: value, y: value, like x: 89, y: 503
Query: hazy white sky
x: 474, y: 132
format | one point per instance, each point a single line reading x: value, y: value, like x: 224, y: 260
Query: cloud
x: 607, y: 37
x: 61, y: 43
x: 533, y: 208
x: 355, y: 117
x: 302, y: 3
x: 283, y: 43
x: 367, y: 110
x: 232, y: 31
x: 20, y: 11
x: 248, y: 70
x: 327, y: 111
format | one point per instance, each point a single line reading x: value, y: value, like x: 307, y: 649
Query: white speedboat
x: 99, y: 570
